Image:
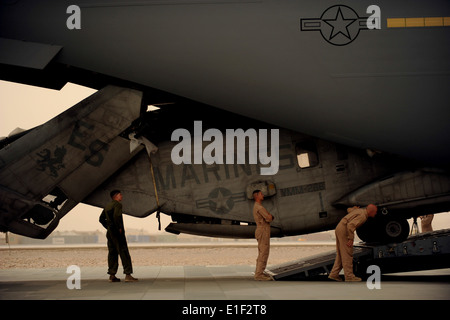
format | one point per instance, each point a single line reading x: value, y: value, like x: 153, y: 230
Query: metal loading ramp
x: 424, y: 251
x: 311, y: 267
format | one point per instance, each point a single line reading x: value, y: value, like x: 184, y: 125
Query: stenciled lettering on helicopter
x: 166, y: 178
x: 81, y: 138
x: 301, y: 189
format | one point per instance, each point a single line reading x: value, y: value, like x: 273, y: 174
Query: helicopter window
x: 307, y: 154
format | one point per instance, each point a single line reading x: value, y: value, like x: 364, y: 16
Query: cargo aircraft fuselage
x: 357, y: 92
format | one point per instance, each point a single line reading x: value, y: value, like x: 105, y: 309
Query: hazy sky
x: 27, y: 106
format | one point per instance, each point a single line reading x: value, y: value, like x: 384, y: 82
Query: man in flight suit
x: 262, y: 234
x: 345, y: 233
x: 112, y: 219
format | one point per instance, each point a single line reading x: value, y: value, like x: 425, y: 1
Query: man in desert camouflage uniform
x: 426, y: 222
x: 262, y: 234
x: 345, y: 233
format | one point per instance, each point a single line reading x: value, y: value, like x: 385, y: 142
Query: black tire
x: 384, y: 230
x: 368, y: 232
x: 394, y: 230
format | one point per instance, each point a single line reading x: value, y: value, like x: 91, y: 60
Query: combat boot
x: 130, y: 278
x: 263, y: 277
x: 112, y: 278
x: 335, y: 278
x: 353, y: 279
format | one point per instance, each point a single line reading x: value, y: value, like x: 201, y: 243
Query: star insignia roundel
x: 338, y: 25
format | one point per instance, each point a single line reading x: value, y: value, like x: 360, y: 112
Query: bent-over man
x: 345, y: 233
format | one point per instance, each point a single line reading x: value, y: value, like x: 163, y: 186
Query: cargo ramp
x: 423, y: 251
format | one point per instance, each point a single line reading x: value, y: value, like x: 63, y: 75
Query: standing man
x: 345, y: 233
x: 426, y: 222
x: 262, y: 234
x: 111, y: 218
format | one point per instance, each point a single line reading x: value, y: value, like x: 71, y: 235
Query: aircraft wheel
x: 384, y: 230
x: 394, y: 230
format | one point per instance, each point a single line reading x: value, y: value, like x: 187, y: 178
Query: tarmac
x: 221, y: 282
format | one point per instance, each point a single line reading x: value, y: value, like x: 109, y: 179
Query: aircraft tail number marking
x: 80, y: 132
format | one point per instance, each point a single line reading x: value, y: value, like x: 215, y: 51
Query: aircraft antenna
x: 158, y: 215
